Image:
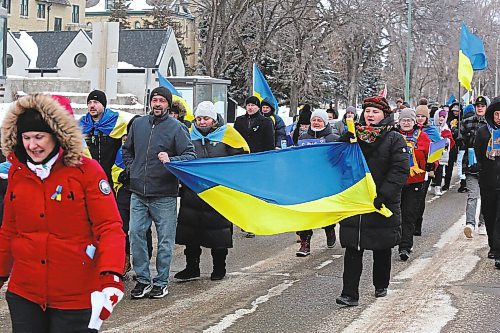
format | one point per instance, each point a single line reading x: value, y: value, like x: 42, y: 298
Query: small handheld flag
x: 261, y: 89
x: 436, y: 150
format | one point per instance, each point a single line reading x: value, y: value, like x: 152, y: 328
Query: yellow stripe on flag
x: 465, y: 71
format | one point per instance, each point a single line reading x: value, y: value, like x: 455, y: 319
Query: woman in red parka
x: 61, y: 238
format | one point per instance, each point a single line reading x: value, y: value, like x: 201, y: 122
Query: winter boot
x: 192, y: 270
x: 305, y: 246
x: 437, y: 191
x: 463, y: 186
x: 219, y: 260
x: 331, y: 238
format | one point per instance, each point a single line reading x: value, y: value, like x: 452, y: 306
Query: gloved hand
x: 378, y: 202
x: 124, y: 177
x: 429, y: 167
x: 103, y: 302
x: 346, y: 137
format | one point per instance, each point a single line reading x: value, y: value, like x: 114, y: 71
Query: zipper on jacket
x: 359, y: 233
x: 147, y: 155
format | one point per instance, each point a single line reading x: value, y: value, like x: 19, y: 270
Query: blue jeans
x: 163, y: 211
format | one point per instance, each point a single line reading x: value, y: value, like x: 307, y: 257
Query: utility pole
x: 408, y: 55
x: 496, y: 70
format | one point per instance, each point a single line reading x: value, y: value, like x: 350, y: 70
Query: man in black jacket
x: 257, y: 130
x: 153, y: 141
x: 487, y: 149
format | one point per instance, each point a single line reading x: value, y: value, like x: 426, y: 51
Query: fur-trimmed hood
x: 59, y: 120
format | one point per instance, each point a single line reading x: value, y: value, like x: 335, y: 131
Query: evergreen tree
x: 119, y: 13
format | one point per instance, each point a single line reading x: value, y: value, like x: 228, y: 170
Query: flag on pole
x: 383, y: 92
x: 451, y: 100
x: 268, y: 202
x: 471, y: 56
x: 436, y: 150
x: 166, y: 83
x: 261, y: 89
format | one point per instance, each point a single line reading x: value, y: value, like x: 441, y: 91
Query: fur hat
x: 252, y: 100
x: 408, y: 114
x: 161, y: 91
x: 321, y: 114
x: 422, y: 110
x: 99, y: 96
x: 59, y: 122
x: 206, y: 109
x: 377, y: 102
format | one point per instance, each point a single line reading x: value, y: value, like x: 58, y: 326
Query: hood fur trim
x: 63, y: 124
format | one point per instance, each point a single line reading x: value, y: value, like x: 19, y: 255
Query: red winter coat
x: 421, y: 152
x: 43, y: 241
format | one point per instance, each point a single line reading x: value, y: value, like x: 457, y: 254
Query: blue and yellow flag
x: 261, y: 89
x: 471, y: 56
x: 166, y: 83
x: 261, y: 193
x: 112, y: 123
x: 436, y: 150
x: 176, y: 96
x: 116, y: 169
x: 225, y: 134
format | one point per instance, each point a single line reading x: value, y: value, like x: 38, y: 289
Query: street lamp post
x: 408, y: 55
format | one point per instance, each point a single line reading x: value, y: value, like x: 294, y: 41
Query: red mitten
x: 112, y: 288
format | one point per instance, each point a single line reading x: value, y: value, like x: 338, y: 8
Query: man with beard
x: 153, y: 141
x: 97, y: 126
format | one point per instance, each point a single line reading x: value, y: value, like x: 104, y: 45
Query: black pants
x: 451, y: 164
x: 490, y: 207
x: 421, y: 206
x: 28, y: 317
x: 353, y: 266
x: 410, y: 211
x: 123, y: 203
x: 308, y: 233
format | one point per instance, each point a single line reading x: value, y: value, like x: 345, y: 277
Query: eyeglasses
x: 405, y: 120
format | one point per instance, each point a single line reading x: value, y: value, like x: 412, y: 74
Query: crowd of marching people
x: 107, y: 175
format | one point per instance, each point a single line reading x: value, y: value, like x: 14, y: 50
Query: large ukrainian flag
x: 471, y: 57
x: 261, y: 89
x: 284, y: 190
x: 112, y: 123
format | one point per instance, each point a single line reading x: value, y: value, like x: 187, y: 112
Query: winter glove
x: 346, y: 137
x: 429, y: 167
x: 124, y: 177
x: 103, y: 302
x: 378, y: 202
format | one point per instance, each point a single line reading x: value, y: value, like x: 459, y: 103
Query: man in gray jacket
x: 153, y: 141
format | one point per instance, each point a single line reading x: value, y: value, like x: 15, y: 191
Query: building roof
x: 143, y: 47
x: 51, y: 44
x: 179, y: 8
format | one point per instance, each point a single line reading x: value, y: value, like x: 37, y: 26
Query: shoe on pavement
x: 445, y: 187
x: 491, y: 255
x: 250, y: 235
x: 140, y: 290
x: 346, y: 300
x: 417, y: 233
x: 380, y: 292
x: 481, y: 230
x: 497, y: 263
x: 305, y: 248
x: 468, y: 230
x: 404, y: 254
x: 158, y: 292
x: 331, y: 238
x: 437, y: 191
x: 188, y: 274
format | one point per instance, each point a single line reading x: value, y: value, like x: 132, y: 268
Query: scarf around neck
x: 42, y: 170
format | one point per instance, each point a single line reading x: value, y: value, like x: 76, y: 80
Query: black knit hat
x: 99, y: 96
x: 266, y: 102
x: 253, y: 100
x: 164, y: 92
x: 31, y: 121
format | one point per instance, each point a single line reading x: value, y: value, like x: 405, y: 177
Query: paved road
x: 448, y: 285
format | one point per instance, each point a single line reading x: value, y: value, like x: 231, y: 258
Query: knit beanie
x: 266, y: 102
x: 442, y: 113
x: 65, y: 103
x: 99, y: 96
x: 253, y: 100
x: 321, y: 114
x: 408, y: 114
x: 351, y: 109
x: 206, y: 109
x: 161, y: 91
x: 377, y: 102
x: 422, y: 110
x: 31, y: 121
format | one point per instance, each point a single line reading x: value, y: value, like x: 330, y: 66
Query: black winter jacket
x: 257, y: 130
x: 489, y: 174
x: 279, y: 128
x: 388, y: 161
x: 198, y: 223
x: 149, y: 136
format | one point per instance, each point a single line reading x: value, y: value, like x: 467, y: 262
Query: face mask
x: 204, y: 130
x: 331, y: 122
x: 317, y: 129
